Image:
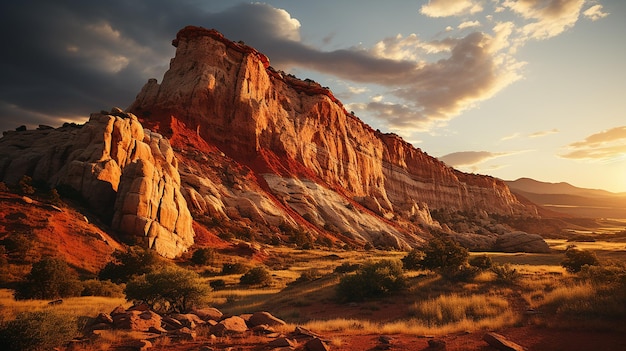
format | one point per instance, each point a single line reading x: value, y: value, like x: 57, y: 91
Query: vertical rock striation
x: 127, y: 174
x: 232, y: 98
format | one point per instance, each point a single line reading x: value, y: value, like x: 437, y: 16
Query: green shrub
x: 203, y: 256
x: 257, y: 276
x: 464, y: 273
x: 373, y: 279
x: 40, y: 330
x: 444, y: 253
x: 482, y: 262
x: 218, y: 284
x: 126, y: 264
x: 49, y: 278
x: 308, y: 276
x: 234, y: 268
x: 106, y: 288
x: 505, y: 273
x: 413, y: 260
x: 347, y: 267
x: 575, y: 259
x: 169, y: 289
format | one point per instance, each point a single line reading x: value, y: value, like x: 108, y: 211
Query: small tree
x: 413, y: 260
x: 126, y: 264
x: 257, y: 276
x: 49, y: 278
x: 575, y: 259
x: 203, y: 256
x: 168, y: 289
x: 444, y: 254
x: 373, y: 279
x: 481, y: 262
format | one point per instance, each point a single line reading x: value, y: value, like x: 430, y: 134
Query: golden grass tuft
x: 455, y: 308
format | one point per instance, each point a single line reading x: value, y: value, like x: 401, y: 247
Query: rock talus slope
x: 125, y: 173
x: 229, y: 96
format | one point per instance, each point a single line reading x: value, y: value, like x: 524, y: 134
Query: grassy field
x: 430, y: 305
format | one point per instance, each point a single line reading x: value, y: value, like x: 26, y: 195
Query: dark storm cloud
x: 65, y: 59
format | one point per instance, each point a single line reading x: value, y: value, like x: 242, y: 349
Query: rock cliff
x: 297, y: 138
x: 126, y: 174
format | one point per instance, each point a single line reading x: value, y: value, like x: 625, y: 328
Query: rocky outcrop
x: 521, y: 242
x: 127, y: 174
x: 286, y: 131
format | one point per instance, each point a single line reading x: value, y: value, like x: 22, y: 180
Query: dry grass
x: 78, y: 306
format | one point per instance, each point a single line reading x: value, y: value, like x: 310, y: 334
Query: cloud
x: 446, y: 8
x: 595, y: 13
x: 602, y: 146
x: 469, y: 158
x: 543, y: 133
x: 548, y: 18
x: 510, y: 137
x: 468, y: 24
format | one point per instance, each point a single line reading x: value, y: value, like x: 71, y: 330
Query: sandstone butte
x: 249, y: 144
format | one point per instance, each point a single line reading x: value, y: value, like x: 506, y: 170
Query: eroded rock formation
x: 127, y: 174
x: 299, y: 141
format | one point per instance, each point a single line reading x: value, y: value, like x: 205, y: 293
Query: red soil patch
x: 66, y: 233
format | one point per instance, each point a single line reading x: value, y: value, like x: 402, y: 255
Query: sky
x: 507, y: 88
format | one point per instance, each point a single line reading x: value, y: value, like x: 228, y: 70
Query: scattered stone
x: 185, y: 333
x: 118, y: 310
x: 188, y: 320
x: 436, y: 345
x: 316, y: 344
x: 281, y: 342
x: 501, y: 343
x: 262, y: 329
x: 209, y: 313
x: 305, y: 332
x: 20, y: 129
x: 136, y: 320
x: 27, y: 200
x: 157, y: 330
x: 231, y: 325
x: 140, y: 345
x: 104, y: 318
x: 139, y: 307
x: 171, y: 323
x: 266, y: 318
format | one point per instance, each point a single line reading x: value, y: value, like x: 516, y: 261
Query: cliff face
x: 229, y: 95
x: 127, y: 175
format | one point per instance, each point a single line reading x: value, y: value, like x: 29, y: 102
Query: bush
x: 482, y: 262
x: 203, y: 256
x: 373, y: 279
x: 218, y: 284
x: 126, y: 264
x: 168, y: 289
x: 234, y: 268
x: 464, y: 273
x: 505, y: 273
x: 106, y: 288
x: 308, y: 276
x: 575, y: 259
x: 257, y: 276
x: 347, y: 267
x: 413, y: 260
x: 41, y: 330
x: 444, y: 253
x: 49, y: 278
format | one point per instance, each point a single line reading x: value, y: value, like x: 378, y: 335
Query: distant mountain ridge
x: 566, y: 198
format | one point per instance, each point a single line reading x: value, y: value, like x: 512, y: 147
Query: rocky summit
x: 230, y: 141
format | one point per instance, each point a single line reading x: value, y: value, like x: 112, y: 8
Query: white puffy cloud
x: 548, y: 18
x: 468, y: 24
x: 446, y: 8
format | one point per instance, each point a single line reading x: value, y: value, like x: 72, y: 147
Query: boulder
x: 266, y: 318
x: 316, y: 344
x: 188, y: 320
x: 281, y: 342
x: 208, y: 313
x: 137, y: 320
x: 501, y: 343
x: 231, y: 325
x: 521, y: 242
